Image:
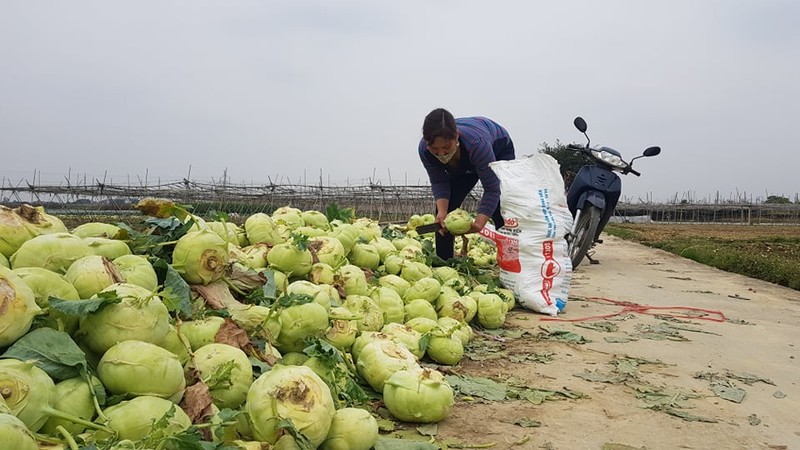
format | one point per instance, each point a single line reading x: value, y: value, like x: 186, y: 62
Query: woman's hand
x: 475, y: 227
x: 478, y: 223
x: 440, y: 220
x: 441, y: 213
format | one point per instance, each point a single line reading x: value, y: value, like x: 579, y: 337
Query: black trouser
x: 460, y: 187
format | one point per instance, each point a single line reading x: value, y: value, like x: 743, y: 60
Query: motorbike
x: 593, y: 194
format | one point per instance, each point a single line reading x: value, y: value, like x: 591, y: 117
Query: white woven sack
x: 531, y: 248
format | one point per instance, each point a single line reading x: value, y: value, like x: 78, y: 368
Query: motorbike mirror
x: 580, y: 124
x: 651, y: 151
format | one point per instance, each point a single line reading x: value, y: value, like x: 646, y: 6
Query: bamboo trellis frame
x: 374, y: 200
x: 388, y: 203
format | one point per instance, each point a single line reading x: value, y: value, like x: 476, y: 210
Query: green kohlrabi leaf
x: 267, y: 294
x: 160, y: 239
x: 300, y: 241
x: 191, y: 439
x: 82, y: 308
x: 53, y: 351
x: 333, y: 212
x: 176, y: 294
x: 270, y: 288
x: 221, y: 378
x: 288, y: 300
x: 219, y: 216
x: 303, y: 443
x: 324, y: 350
x: 392, y: 233
x: 225, y: 415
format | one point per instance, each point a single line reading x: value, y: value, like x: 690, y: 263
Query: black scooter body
x: 597, y: 186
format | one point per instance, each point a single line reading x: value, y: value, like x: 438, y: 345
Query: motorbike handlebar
x: 584, y: 148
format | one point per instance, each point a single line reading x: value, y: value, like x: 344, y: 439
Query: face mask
x: 444, y: 159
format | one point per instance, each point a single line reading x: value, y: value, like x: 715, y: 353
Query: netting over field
x: 386, y: 203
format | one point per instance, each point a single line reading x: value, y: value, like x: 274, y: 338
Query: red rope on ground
x: 630, y: 307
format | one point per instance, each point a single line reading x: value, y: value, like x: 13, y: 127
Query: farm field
x: 767, y: 252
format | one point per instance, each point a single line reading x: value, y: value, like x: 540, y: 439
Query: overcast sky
x: 291, y: 91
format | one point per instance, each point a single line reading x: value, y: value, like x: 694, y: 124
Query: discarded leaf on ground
x: 482, y: 350
x: 384, y: 443
x: 686, y: 416
x: 691, y: 328
x: 661, y: 399
x: 597, y: 377
x: 522, y: 441
x: 643, y: 388
x: 602, y: 325
x: 386, y: 425
x: 619, y: 339
x: 728, y: 392
x: 534, y: 357
x: 525, y: 423
x: 478, y: 387
x: 561, y: 335
x: 659, y: 332
x: 626, y: 366
x: 748, y: 378
x: 428, y: 429
x: 535, y: 396
x: 612, y: 446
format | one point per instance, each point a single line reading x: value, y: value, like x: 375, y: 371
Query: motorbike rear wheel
x: 585, y: 231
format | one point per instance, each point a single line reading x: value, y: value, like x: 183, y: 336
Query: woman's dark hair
x: 439, y: 123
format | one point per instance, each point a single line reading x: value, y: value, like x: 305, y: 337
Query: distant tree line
x: 777, y: 200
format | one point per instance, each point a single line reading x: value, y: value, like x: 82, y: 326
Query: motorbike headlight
x: 609, y: 158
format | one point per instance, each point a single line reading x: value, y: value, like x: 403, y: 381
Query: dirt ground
x: 668, y: 363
